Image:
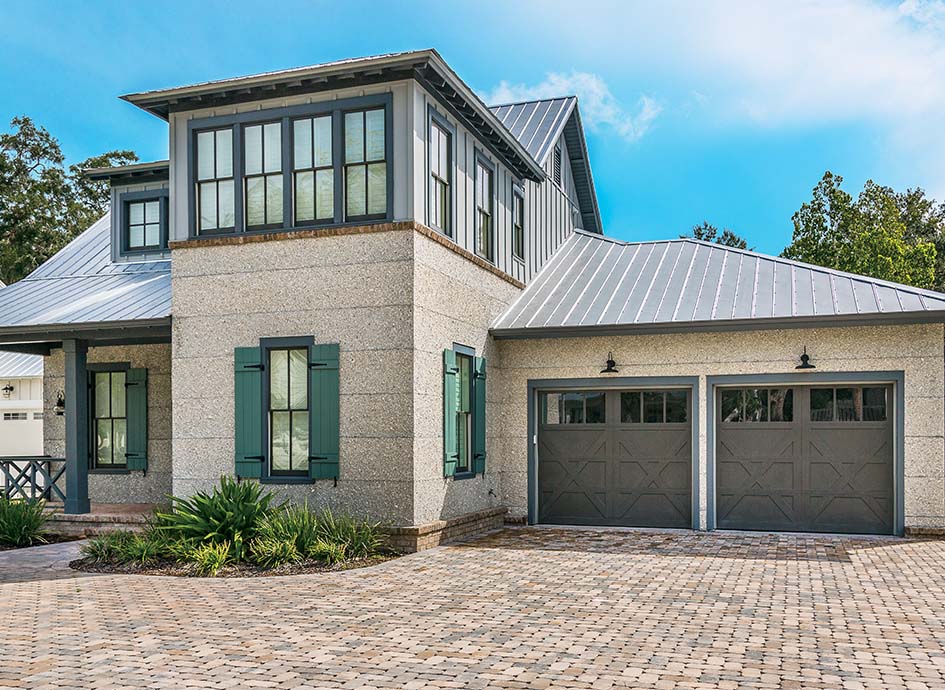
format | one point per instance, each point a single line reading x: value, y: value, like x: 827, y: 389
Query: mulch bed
x: 175, y: 569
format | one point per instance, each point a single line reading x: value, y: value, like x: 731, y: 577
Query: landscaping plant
x: 22, y: 522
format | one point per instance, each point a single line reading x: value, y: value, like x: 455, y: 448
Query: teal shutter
x: 450, y: 397
x: 136, y: 412
x: 324, y: 417
x: 479, y: 416
x: 248, y: 401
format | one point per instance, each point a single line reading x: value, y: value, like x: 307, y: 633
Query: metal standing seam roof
x: 82, y: 285
x: 595, y: 284
x: 17, y: 365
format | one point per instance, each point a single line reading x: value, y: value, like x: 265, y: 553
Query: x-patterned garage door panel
x: 812, y: 459
x: 615, y: 458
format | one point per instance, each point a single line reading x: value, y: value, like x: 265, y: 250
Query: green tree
x: 43, y: 205
x: 879, y: 234
x: 707, y: 232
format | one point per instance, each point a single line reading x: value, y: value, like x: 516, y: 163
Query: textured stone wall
x: 132, y: 487
x: 916, y: 350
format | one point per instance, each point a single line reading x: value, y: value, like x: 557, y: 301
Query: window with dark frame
x: 288, y: 412
x: 143, y: 220
x: 15, y: 416
x: 484, y: 211
x: 749, y: 405
x: 518, y: 223
x: 214, y: 181
x: 654, y: 407
x: 313, y: 170
x: 365, y: 164
x: 574, y: 407
x: 109, y: 420
x: 441, y: 167
x: 262, y: 175
x: 848, y: 404
x: 464, y: 412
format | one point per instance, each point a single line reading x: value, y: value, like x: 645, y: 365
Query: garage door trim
x: 894, y: 378
x: 536, y: 386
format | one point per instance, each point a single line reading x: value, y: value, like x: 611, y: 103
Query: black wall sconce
x: 60, y: 407
x: 611, y: 365
x: 7, y: 390
x: 805, y: 361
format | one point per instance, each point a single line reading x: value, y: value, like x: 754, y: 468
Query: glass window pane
x: 300, y: 440
x: 304, y: 196
x: 465, y: 364
x: 135, y: 214
x: 302, y: 144
x: 443, y: 205
x: 444, y: 151
x: 552, y: 408
x: 278, y: 379
x: 676, y: 407
x: 653, y: 407
x: 594, y: 408
x: 324, y: 194
x: 731, y: 405
x: 781, y: 402
x: 630, y: 407
x: 281, y: 433
x: 273, y: 149
x: 224, y: 153
x: 354, y: 195
x: 153, y: 212
x: 323, y: 141
x: 227, y: 204
x: 375, y: 135
x: 821, y: 404
x: 103, y: 442
x: 435, y: 150
x: 205, y: 156
x: 252, y: 145
x: 298, y: 379
x: 874, y: 404
x: 208, y: 206
x: 354, y: 137
x: 377, y: 188
x: 273, y: 199
x: 102, y: 394
x: 572, y: 408
x: 463, y: 435
x: 118, y: 394
x: 255, y: 201
x: 119, y: 441
x: 136, y: 236
x: 152, y: 235
x: 756, y: 405
x: 848, y: 405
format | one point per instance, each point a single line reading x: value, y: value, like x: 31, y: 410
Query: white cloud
x: 599, y: 108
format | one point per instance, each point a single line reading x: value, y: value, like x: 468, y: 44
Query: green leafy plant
x: 142, y: 548
x: 292, y: 523
x: 231, y: 513
x: 22, y: 523
x: 209, y: 558
x: 328, y: 552
x: 271, y: 552
x: 359, y: 538
x: 107, y: 548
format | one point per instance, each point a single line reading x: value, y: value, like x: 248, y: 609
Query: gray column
x: 77, y: 428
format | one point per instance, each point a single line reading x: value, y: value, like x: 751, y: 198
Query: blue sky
x: 728, y: 112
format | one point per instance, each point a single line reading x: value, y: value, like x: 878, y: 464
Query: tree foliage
x: 709, y: 233
x: 882, y: 234
x: 43, y: 204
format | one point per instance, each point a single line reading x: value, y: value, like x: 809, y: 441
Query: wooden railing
x: 32, y: 477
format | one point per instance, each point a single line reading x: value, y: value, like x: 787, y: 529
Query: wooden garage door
x: 808, y: 459
x: 619, y: 458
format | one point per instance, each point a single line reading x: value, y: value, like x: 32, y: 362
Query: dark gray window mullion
x: 337, y: 162
x: 238, y: 179
x: 288, y: 188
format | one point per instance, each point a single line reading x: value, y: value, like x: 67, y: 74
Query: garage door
x: 615, y: 458
x: 811, y: 459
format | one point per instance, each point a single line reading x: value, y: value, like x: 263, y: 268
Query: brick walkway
x: 534, y: 608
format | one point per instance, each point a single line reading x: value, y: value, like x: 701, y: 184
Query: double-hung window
x: 485, y: 191
x: 464, y: 415
x: 365, y: 164
x: 262, y: 175
x: 518, y: 223
x: 110, y: 422
x: 216, y: 209
x: 314, y: 174
x: 441, y: 169
x: 288, y: 411
x: 464, y: 412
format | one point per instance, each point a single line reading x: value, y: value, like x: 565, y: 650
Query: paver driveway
x: 523, y: 608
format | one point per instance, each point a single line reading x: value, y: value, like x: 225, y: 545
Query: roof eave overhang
x: 136, y: 172
x: 593, y: 214
x: 793, y: 322
x: 157, y: 330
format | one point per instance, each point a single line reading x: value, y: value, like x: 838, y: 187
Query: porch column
x: 77, y: 427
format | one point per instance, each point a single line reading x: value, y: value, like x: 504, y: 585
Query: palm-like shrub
x: 22, y: 522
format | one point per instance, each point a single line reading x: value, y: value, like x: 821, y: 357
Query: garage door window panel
x: 654, y: 407
x: 757, y: 405
x: 581, y: 407
x: 848, y: 404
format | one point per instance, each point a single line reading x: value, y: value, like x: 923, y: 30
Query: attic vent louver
x: 557, y: 166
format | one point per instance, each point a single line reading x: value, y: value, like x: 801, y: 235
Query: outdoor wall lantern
x: 60, y: 407
x: 7, y: 389
x: 805, y: 361
x: 611, y: 365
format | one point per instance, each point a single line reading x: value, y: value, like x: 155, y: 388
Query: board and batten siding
x: 548, y: 208
x: 118, y: 218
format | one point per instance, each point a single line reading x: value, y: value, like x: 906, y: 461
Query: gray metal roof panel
x: 536, y: 124
x: 15, y: 365
x: 594, y: 283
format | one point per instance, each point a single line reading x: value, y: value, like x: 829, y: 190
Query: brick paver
x: 523, y: 608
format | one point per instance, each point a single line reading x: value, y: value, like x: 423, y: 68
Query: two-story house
x: 363, y: 287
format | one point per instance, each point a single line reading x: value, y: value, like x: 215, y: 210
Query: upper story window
x: 485, y: 205
x: 215, y: 194
x: 441, y: 175
x: 365, y: 165
x: 313, y: 166
x: 518, y: 223
x: 262, y: 163
x: 143, y: 221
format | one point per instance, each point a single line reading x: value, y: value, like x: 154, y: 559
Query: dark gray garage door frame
x: 894, y: 378
x: 537, y: 386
